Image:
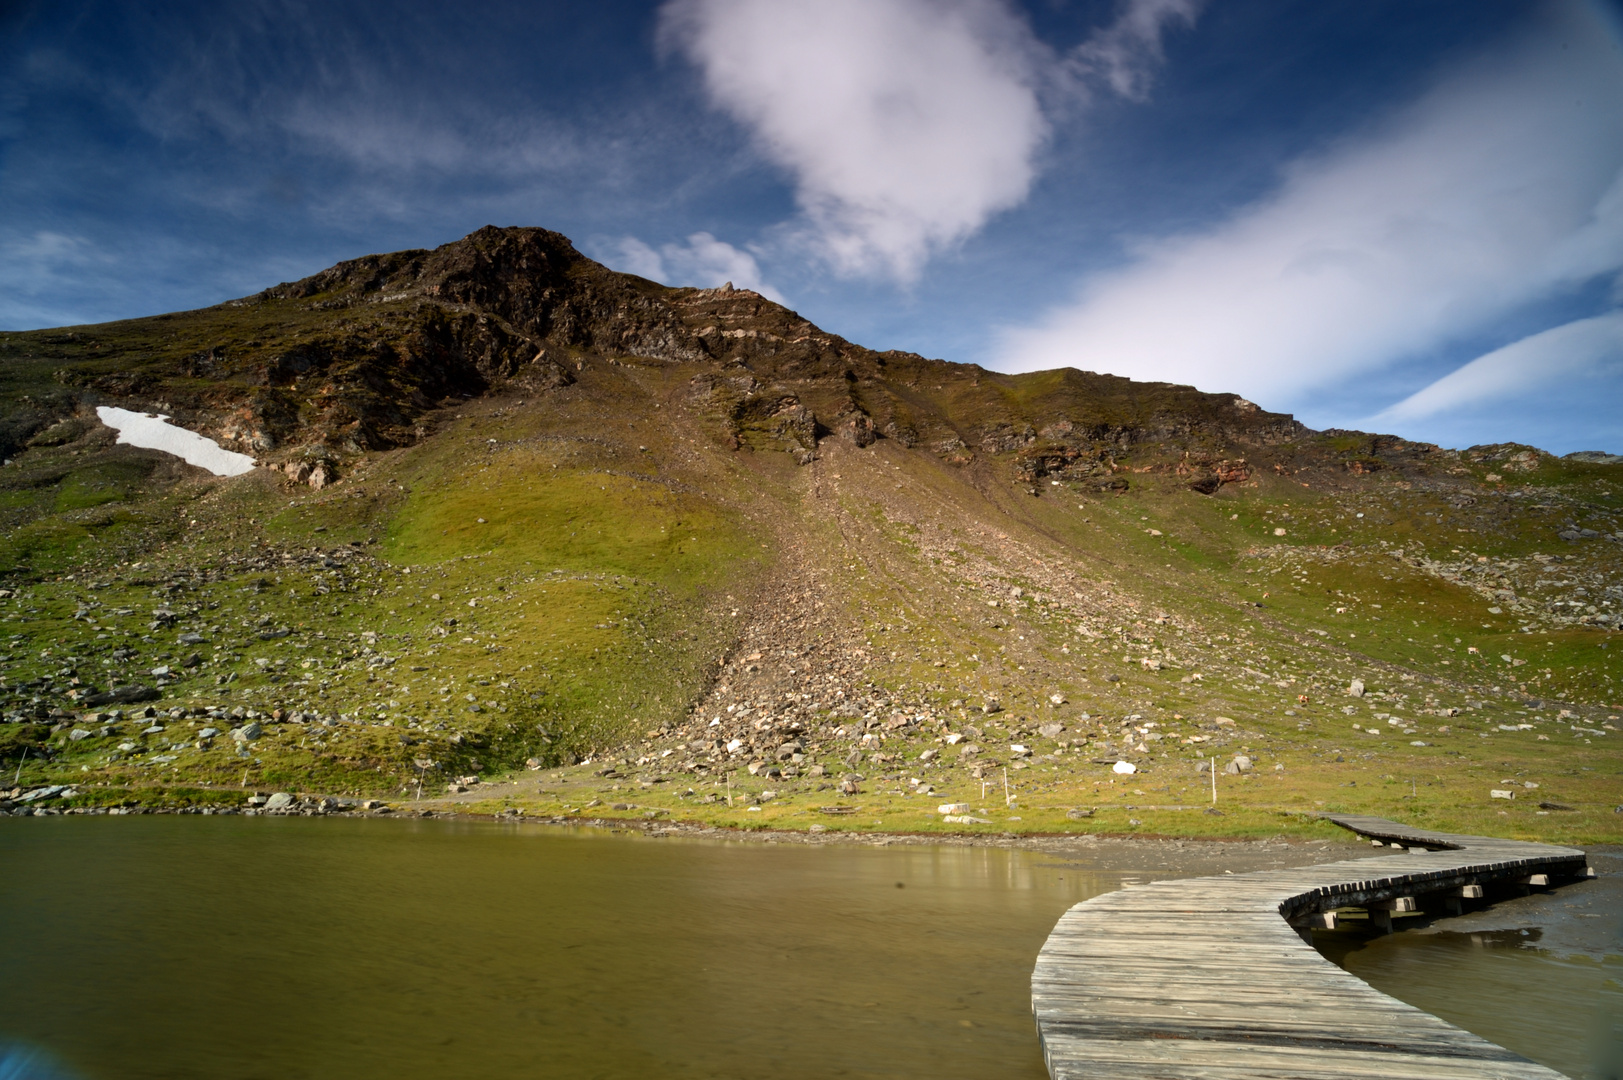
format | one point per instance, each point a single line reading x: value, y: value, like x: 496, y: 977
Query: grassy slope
x: 620, y: 535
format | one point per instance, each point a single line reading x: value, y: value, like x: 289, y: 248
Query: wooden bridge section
x: 1211, y: 978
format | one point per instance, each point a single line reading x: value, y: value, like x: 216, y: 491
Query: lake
x: 231, y: 947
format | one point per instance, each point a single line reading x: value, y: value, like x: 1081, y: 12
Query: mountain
x: 571, y: 539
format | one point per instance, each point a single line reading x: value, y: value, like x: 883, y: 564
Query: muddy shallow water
x: 1541, y: 975
x: 290, y: 947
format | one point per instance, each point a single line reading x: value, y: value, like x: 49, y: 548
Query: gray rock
x: 248, y: 732
x: 1356, y: 688
x: 208, y: 733
x: 123, y: 695
x: 1050, y: 731
x: 192, y: 639
x: 279, y: 801
x: 78, y: 735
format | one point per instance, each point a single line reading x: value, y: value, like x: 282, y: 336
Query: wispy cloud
x: 38, y: 268
x: 703, y: 261
x: 1125, y: 54
x: 1584, y: 348
x: 1498, y: 189
x: 905, y: 124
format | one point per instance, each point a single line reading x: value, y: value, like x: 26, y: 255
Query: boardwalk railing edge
x: 1216, y: 977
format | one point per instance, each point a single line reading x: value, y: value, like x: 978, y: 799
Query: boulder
x: 123, y: 695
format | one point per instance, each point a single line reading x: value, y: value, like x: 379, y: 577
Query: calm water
x: 288, y: 948
x: 285, y: 948
x: 1542, y: 976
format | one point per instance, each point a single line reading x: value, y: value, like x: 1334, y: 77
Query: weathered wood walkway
x: 1211, y: 978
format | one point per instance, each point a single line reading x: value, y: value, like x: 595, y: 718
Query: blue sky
x: 1391, y: 215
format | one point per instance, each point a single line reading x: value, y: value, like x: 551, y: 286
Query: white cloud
x: 906, y: 124
x: 38, y: 268
x: 1501, y: 187
x: 1585, y: 347
x: 703, y: 261
x: 1125, y: 54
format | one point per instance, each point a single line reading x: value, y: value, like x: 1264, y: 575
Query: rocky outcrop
x: 371, y: 345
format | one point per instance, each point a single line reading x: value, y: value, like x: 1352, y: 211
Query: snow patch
x: 155, y: 432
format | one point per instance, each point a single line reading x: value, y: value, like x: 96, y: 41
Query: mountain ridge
x: 682, y: 545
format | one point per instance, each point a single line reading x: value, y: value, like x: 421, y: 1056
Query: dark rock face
x: 353, y: 358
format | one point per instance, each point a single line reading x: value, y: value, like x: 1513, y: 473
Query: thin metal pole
x: 18, y: 779
x: 1007, y: 798
x: 1214, y: 781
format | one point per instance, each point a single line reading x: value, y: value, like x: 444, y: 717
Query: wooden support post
x: 1469, y: 892
x: 1318, y: 920
x: 1535, y: 881
x: 1380, y: 912
x: 1397, y: 903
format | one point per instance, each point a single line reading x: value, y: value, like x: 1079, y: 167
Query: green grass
x: 572, y: 559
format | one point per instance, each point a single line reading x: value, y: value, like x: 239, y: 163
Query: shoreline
x: 1150, y: 853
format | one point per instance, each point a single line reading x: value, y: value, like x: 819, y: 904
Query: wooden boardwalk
x: 1211, y: 977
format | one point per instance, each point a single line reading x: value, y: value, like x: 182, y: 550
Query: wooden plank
x: 1185, y: 980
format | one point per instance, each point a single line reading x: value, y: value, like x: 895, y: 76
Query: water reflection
x: 221, y: 947
x: 1563, y: 1009
x: 19, y: 1062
